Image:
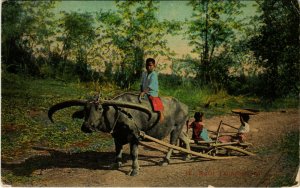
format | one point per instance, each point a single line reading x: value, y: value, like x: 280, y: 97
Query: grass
x: 25, y: 102
x: 289, y: 161
x: 24, y: 105
x: 220, y: 102
x: 284, y: 169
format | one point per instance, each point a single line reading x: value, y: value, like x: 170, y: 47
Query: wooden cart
x: 214, y: 149
x: 218, y: 148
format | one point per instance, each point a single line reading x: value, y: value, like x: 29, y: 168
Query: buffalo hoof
x: 164, y: 163
x: 187, y: 158
x: 119, y: 164
x: 133, y: 172
x: 116, y: 165
x: 85, y: 129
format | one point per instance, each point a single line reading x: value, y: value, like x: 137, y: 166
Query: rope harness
x: 128, y: 115
x: 114, y: 125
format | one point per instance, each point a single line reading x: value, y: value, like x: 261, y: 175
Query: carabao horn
x: 63, y: 105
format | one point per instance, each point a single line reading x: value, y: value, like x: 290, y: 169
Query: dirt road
x: 267, y: 167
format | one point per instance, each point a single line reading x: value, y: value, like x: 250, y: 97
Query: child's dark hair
x: 245, y: 117
x: 198, y: 116
x: 150, y: 60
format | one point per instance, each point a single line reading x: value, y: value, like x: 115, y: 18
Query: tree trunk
x: 205, y: 61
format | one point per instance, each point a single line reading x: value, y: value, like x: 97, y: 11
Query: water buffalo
x: 126, y: 117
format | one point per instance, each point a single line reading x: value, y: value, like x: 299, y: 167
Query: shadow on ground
x: 62, y: 159
x: 87, y: 160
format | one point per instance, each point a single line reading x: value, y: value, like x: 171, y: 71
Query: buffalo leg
x: 134, y: 157
x: 184, y: 138
x: 119, y: 150
x: 166, y: 161
x: 173, y: 139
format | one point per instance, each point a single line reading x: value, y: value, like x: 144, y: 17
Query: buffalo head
x: 95, y: 112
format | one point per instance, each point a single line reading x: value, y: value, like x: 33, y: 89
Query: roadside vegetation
x: 26, y: 100
x: 290, y: 147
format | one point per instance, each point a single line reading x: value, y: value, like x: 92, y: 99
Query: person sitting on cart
x: 199, y: 132
x: 242, y: 131
x: 244, y: 128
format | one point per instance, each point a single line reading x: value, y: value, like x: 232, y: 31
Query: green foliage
x: 136, y: 32
x: 217, y: 102
x: 290, y: 159
x: 27, y: 27
x: 77, y: 33
x: 213, y: 28
x: 77, y: 38
x: 184, y: 68
x: 36, y: 42
x: 277, y: 48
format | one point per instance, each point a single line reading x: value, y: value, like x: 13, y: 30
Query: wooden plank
x: 239, y: 150
x: 230, y: 126
x: 153, y: 147
x: 224, y: 144
x: 183, y: 149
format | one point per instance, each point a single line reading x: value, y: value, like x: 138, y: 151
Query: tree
x: 277, y: 47
x: 26, y: 26
x: 77, y: 39
x: 136, y: 32
x: 213, y: 28
x: 77, y: 33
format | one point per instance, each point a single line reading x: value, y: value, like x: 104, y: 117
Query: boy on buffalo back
x: 149, y: 86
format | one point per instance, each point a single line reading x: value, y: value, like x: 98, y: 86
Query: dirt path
x: 93, y: 169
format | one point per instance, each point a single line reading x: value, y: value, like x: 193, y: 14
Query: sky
x: 177, y: 10
x: 170, y: 10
